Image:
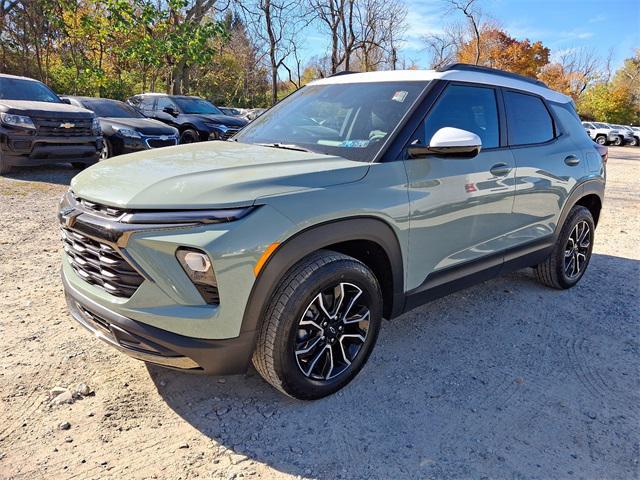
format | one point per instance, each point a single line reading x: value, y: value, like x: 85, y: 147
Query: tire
x: 304, y: 361
x: 618, y: 141
x: 556, y: 270
x: 189, y: 136
x: 107, y: 150
x: 601, y: 140
x: 635, y: 142
x: 4, y: 166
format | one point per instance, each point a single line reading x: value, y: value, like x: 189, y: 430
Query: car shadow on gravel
x: 504, y: 379
x: 60, y: 174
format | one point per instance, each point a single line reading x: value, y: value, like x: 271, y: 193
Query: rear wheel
x: 321, y: 326
x: 189, y: 136
x: 618, y: 141
x: 570, y: 257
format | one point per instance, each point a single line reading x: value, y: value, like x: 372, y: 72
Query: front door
x: 460, y: 207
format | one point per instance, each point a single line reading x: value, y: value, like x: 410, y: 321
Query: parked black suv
x: 37, y: 127
x: 125, y: 130
x: 197, y: 119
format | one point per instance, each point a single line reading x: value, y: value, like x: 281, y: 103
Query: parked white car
x: 603, y: 133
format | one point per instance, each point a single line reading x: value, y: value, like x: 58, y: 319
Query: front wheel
x: 601, y: 140
x: 106, y: 151
x: 189, y: 136
x: 570, y: 257
x: 320, y: 327
x: 634, y: 142
x: 4, y: 166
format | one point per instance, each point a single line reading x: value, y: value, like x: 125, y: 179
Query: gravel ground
x: 507, y: 379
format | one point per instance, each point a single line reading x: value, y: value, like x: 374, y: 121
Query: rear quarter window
x: 569, y: 121
x: 528, y: 121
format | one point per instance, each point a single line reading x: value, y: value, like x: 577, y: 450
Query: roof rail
x: 493, y: 71
x: 344, y: 72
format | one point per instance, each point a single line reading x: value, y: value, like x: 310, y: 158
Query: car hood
x: 227, y: 120
x: 26, y: 107
x: 209, y: 175
x: 145, y: 126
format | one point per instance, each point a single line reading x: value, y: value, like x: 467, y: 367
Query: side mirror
x: 66, y: 100
x: 449, y: 141
x: 171, y: 111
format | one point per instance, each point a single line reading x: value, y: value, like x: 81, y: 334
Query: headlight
x: 20, y: 121
x: 95, y: 126
x: 187, y: 216
x: 197, y: 265
x: 127, y: 132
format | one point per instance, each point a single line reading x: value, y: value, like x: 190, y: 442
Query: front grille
x: 229, y: 133
x: 157, y: 142
x: 104, y: 210
x: 100, y: 265
x: 47, y: 127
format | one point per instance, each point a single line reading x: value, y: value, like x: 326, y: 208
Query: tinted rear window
x: 528, y: 120
x: 111, y: 108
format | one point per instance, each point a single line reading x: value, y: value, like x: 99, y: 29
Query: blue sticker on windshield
x: 355, y: 143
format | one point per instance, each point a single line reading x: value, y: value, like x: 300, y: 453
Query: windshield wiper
x: 285, y: 146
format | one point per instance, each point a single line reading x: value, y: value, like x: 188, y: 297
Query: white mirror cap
x: 454, y: 137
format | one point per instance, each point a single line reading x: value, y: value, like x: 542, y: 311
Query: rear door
x: 548, y: 164
x: 460, y: 207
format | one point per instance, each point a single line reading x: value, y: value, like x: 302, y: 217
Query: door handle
x: 500, y: 169
x: 572, y: 160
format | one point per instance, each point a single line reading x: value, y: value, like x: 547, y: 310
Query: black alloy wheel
x: 332, y: 331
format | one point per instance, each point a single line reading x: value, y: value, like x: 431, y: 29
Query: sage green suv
x: 357, y: 198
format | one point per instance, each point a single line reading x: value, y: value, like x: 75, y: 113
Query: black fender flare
x: 589, y: 187
x: 315, y: 238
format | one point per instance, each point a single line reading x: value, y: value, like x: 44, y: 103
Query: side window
x: 568, y: 119
x: 528, y: 120
x: 164, y: 102
x: 470, y: 108
x: 146, y: 104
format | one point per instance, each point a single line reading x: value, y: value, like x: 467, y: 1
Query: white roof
x: 6, y: 75
x: 487, y: 78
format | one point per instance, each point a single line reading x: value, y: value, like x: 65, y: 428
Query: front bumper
x: 26, y: 150
x: 160, y: 347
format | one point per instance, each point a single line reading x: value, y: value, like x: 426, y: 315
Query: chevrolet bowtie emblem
x: 67, y: 125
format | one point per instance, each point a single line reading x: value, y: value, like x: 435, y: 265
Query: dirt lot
x: 504, y: 380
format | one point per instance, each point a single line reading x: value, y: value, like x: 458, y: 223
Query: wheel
x: 570, y: 257
x: 618, y: 141
x: 634, y: 142
x: 106, y: 151
x: 601, y: 140
x: 4, y: 166
x: 320, y: 327
x: 189, y: 136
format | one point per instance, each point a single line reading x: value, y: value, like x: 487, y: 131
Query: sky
x: 601, y: 25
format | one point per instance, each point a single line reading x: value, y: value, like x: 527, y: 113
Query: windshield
x: 601, y: 125
x: 18, y: 89
x: 349, y: 120
x: 196, y: 106
x: 111, y: 108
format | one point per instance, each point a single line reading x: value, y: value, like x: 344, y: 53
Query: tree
x: 499, y: 50
x: 607, y: 102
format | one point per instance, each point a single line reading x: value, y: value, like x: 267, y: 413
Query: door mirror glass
x: 449, y: 141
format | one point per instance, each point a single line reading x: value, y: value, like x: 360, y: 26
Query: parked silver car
x: 631, y: 137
